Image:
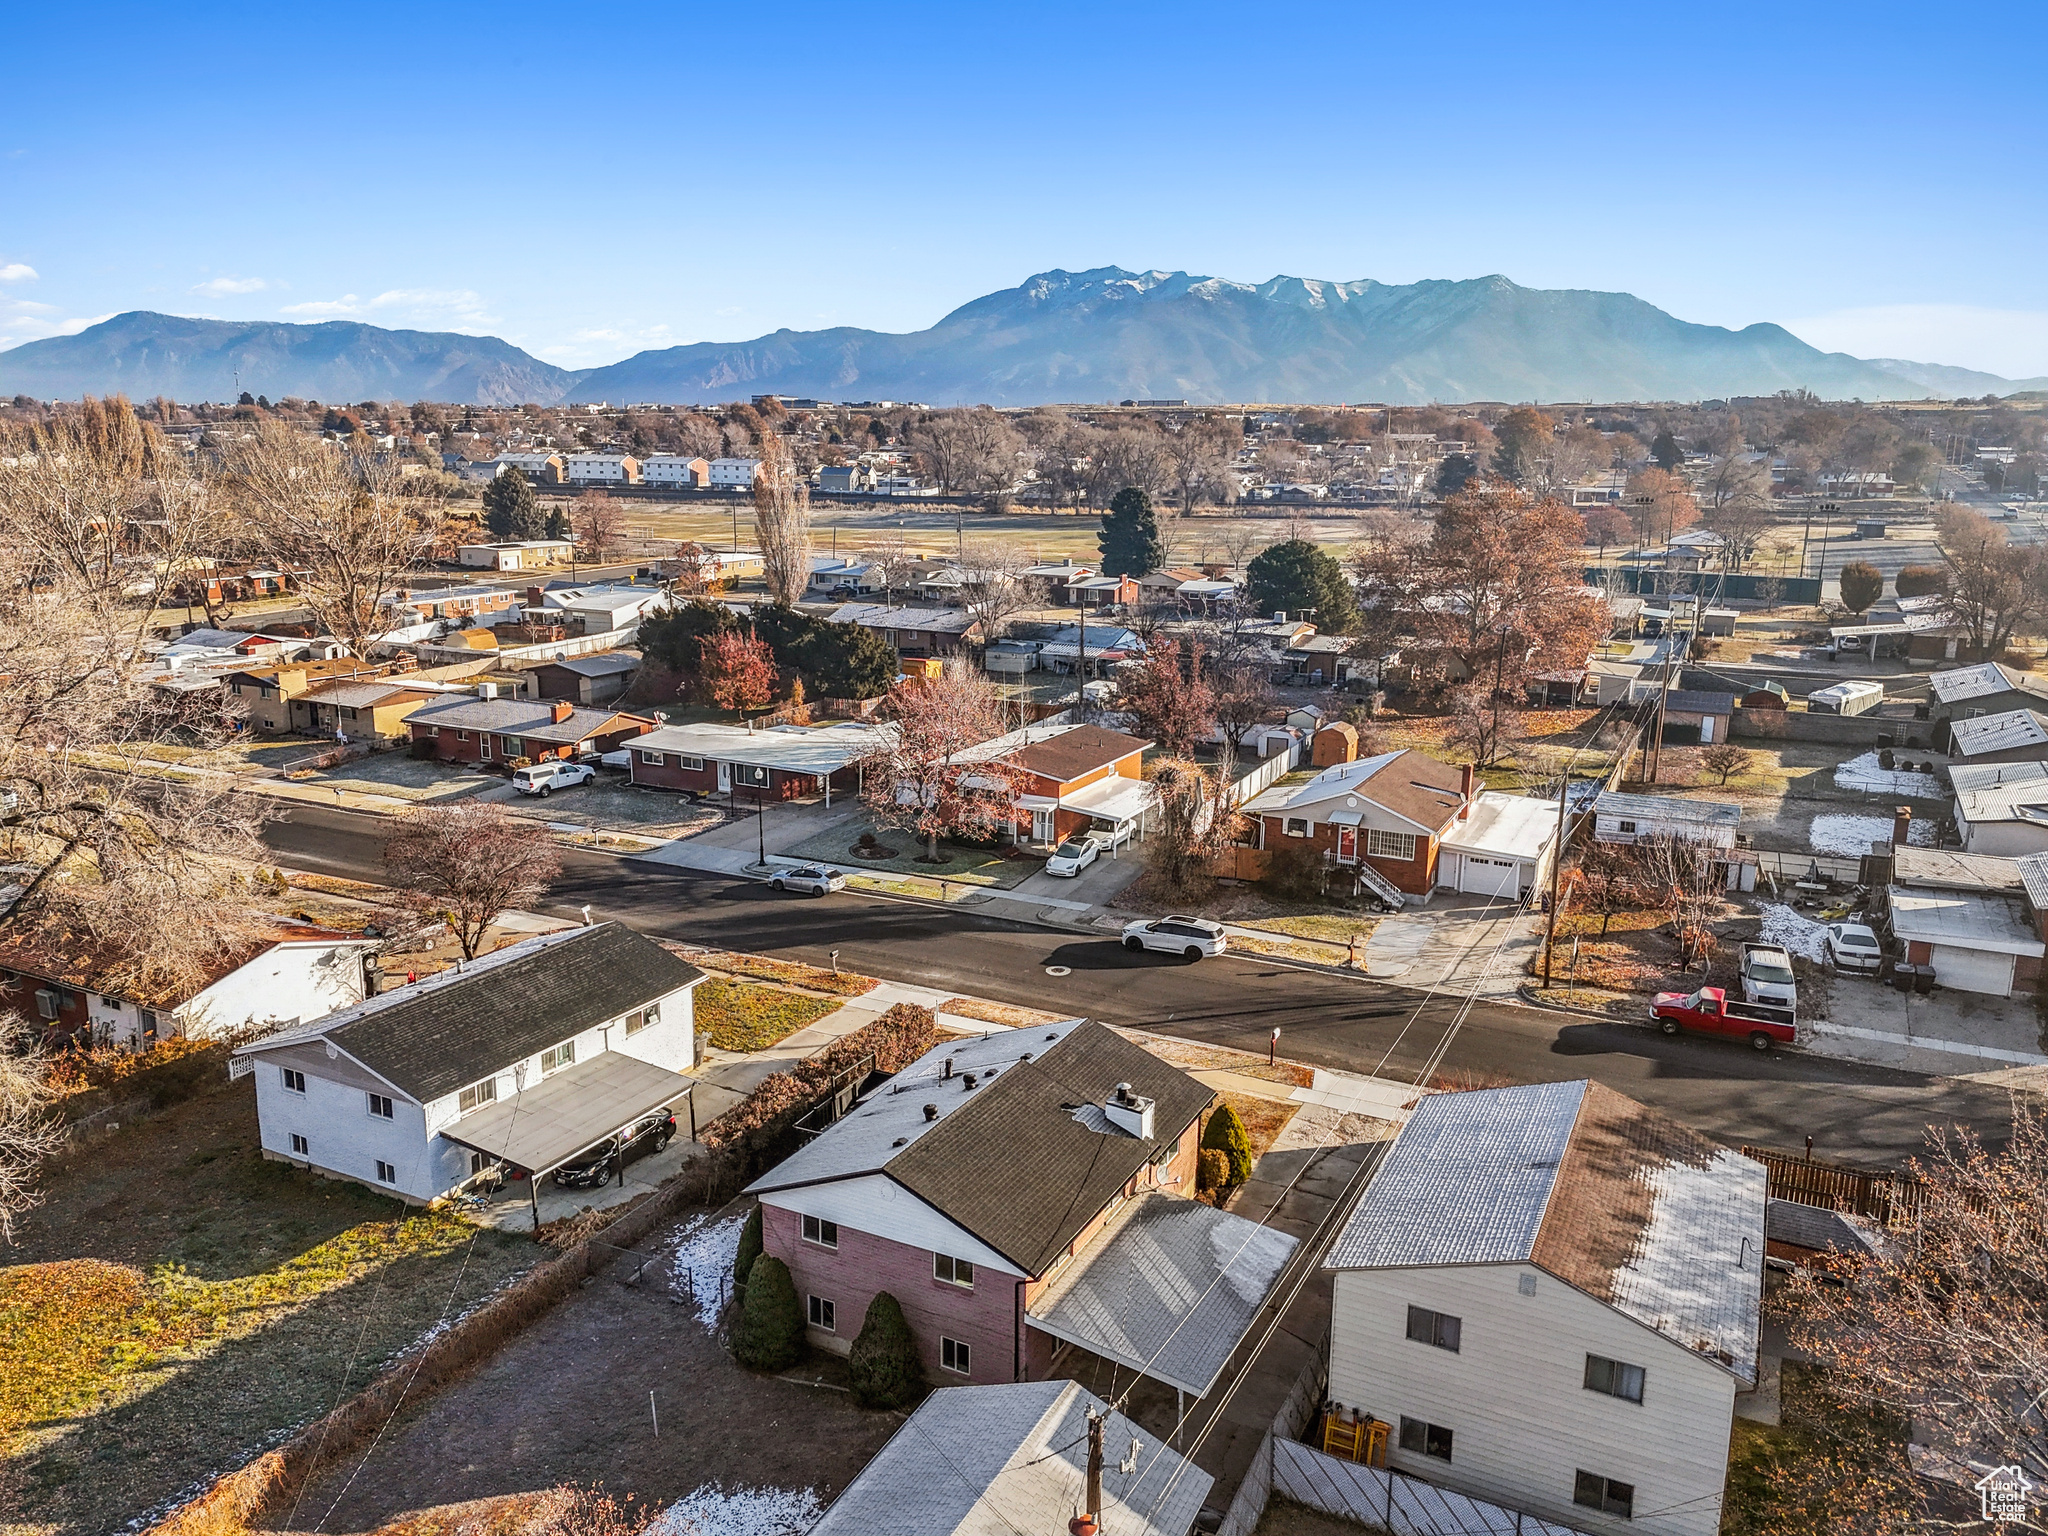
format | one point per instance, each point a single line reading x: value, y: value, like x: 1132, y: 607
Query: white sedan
x: 1853, y: 947
x: 1074, y: 855
x: 1190, y: 936
x: 815, y: 878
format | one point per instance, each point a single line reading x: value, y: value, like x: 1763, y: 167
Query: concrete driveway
x: 1457, y: 943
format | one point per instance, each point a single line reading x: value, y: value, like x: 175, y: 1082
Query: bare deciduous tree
x: 1198, y: 456
x: 597, y: 521
x: 992, y: 583
x: 341, y: 522
x: 1189, y: 832
x: 892, y: 563
x: 469, y: 864
x: 782, y: 523
x: 28, y: 1131
x: 926, y: 774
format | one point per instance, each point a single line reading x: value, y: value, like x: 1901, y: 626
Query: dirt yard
x: 567, y: 1401
x: 1283, y: 1518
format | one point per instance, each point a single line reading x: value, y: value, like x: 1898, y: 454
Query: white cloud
x: 2011, y: 342
x: 347, y: 304
x: 18, y: 272
x: 220, y: 286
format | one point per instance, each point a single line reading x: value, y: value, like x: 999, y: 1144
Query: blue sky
x: 590, y: 183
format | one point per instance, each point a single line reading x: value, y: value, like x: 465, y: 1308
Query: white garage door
x: 1490, y: 877
x: 1972, y: 970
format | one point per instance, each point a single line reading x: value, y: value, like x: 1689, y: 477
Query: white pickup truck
x: 1767, y: 975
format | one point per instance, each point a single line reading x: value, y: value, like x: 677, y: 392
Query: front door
x: 1347, y: 845
x: 1041, y: 825
x: 483, y: 746
x: 725, y: 776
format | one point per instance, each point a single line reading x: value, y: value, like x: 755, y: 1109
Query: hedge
x: 1225, y: 1133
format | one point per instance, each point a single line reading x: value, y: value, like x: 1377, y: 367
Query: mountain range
x: 1105, y: 334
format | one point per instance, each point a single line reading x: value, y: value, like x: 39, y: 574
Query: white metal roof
x: 1112, y: 799
x: 816, y: 750
x: 1505, y: 827
x: 1999, y: 733
x: 1962, y: 920
x: 2025, y: 801
x: 1987, y: 677
x: 543, y: 1126
x: 1962, y: 776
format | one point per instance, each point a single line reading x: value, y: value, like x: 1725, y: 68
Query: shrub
x: 1295, y: 869
x: 1919, y: 580
x: 771, y: 1331
x: 1212, y: 1169
x: 750, y: 1250
x: 884, y: 1364
x: 1225, y: 1133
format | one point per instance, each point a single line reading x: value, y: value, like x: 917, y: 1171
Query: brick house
x: 789, y: 763
x: 287, y: 972
x: 1387, y: 813
x: 498, y: 730
x: 1075, y: 776
x: 1000, y: 1189
x: 267, y: 693
x: 915, y: 631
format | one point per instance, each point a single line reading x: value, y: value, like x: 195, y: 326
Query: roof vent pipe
x: 967, y: 1081
x: 931, y: 1111
x: 947, y: 1072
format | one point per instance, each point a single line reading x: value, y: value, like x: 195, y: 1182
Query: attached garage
x: 1500, y: 848
x: 1971, y: 970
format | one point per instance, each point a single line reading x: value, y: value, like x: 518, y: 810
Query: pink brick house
x: 994, y: 1185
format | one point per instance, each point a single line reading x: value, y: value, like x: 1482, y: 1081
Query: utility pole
x: 1828, y: 509
x: 1564, y: 785
x: 1089, y: 1521
x: 1500, y: 660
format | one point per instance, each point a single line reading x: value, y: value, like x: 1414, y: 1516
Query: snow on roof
x: 1962, y: 920
x: 1976, y: 682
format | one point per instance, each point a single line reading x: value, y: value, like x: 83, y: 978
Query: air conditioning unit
x: 49, y: 1004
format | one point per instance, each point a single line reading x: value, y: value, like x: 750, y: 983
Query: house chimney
x: 1902, y: 824
x: 562, y: 710
x: 1465, y: 789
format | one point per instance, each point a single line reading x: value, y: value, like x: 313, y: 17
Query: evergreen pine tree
x: 884, y: 1364
x: 1129, y: 540
x: 750, y: 1250
x: 511, y: 510
x: 770, y: 1336
x: 557, y: 524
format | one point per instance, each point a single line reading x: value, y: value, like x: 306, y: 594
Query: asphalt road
x: 1853, y: 1112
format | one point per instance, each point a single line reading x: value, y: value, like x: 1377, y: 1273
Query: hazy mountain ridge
x: 1103, y: 334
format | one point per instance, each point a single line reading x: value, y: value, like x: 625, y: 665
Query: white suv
x: 1190, y: 936
x: 539, y: 778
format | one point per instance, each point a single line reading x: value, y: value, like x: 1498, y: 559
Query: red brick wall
x: 1066, y: 823
x: 1417, y: 877
x: 670, y: 774
x: 864, y: 1264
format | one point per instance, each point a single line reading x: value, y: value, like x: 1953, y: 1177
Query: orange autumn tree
x: 739, y: 670
x: 927, y: 773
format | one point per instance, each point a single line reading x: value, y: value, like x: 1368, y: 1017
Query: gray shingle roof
x: 604, y: 664
x: 1010, y: 1459
x: 446, y: 1032
x: 1809, y: 1226
x: 1670, y: 809
x: 1691, y: 701
x: 514, y: 717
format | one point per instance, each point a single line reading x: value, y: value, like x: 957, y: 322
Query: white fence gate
x: 1392, y: 1501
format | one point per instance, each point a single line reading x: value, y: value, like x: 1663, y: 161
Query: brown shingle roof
x: 74, y: 958
x: 1417, y: 788
x: 1082, y: 750
x: 1021, y: 1172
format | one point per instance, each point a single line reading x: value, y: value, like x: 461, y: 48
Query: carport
x: 1118, y: 801
x: 542, y: 1127
x: 1168, y: 1290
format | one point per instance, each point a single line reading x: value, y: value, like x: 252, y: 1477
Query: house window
x: 294, y: 1081
x: 110, y: 1002
x: 299, y: 1144
x: 640, y: 1018
x: 1604, y: 1494
x: 955, y: 1356
x: 1614, y: 1378
x: 652, y: 759
x: 1398, y: 846
x: 459, y: 735
x: 1438, y: 1328
x: 953, y: 1271
x: 821, y: 1314
x: 1625, y: 826
x: 824, y: 1233
x: 476, y: 1095
x: 386, y: 1173
x: 1425, y: 1439
x: 1296, y: 826
x: 560, y: 1056
x: 380, y: 1105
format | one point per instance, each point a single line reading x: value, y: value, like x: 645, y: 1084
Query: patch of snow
x: 714, y: 1511
x: 700, y: 1253
x: 1863, y: 773
x: 1851, y: 836
x: 1798, y: 935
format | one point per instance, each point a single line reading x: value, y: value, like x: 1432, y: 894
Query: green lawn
x: 840, y: 847
x: 747, y: 1016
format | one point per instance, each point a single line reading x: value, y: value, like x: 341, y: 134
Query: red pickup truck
x: 1711, y: 1011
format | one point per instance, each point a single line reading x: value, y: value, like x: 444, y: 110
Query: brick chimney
x: 561, y: 710
x: 1902, y: 822
x: 1465, y: 773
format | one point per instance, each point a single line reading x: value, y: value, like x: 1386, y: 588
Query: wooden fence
x: 1881, y: 1196
x: 1393, y: 1501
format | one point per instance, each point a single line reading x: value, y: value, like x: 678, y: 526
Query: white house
x: 516, y: 555
x: 675, y: 469
x: 1551, y: 1295
x: 287, y: 973
x: 1619, y: 818
x: 602, y: 469
x: 525, y: 1057
x: 735, y: 474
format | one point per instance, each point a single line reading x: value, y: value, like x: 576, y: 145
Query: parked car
x: 1190, y: 936
x: 621, y: 759
x: 540, y: 778
x: 599, y: 1165
x: 1711, y: 1011
x: 1853, y: 947
x: 815, y: 878
x: 1074, y: 855
x: 1767, y: 975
